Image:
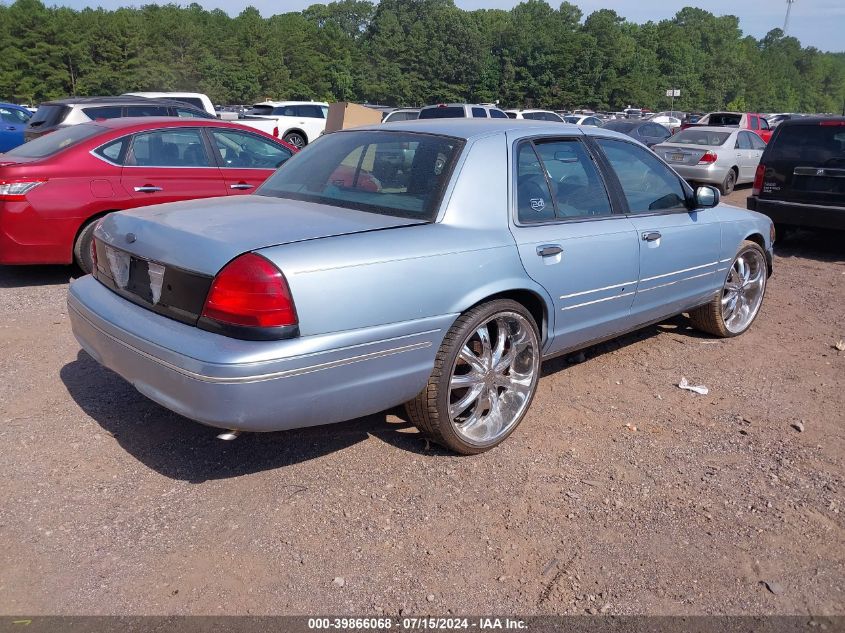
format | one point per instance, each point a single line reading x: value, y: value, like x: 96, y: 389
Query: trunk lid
x: 203, y: 235
x: 682, y: 154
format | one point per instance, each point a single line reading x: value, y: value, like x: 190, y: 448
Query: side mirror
x: 706, y: 197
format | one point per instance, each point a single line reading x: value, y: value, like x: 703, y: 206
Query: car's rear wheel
x: 296, y: 139
x: 484, y: 378
x: 734, y: 308
x: 728, y: 183
x: 82, y: 247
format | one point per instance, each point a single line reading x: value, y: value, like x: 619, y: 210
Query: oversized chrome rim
x: 743, y: 291
x: 493, y: 378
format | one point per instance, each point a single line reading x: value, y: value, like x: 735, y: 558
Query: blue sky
x: 819, y: 23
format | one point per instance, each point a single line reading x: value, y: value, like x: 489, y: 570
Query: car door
x: 312, y: 119
x: 571, y: 242
x: 758, y: 145
x: 12, y: 124
x: 678, y: 246
x: 745, y: 156
x: 246, y: 160
x: 170, y: 164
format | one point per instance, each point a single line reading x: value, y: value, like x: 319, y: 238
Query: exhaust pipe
x: 229, y: 435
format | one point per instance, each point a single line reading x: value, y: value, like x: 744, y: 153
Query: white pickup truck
x: 296, y: 122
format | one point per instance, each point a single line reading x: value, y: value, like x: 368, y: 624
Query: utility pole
x: 788, y: 10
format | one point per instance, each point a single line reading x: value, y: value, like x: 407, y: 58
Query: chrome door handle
x: 548, y: 250
x: 147, y: 189
x: 241, y: 185
x: 651, y: 236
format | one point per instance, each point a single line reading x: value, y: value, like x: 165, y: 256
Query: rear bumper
x: 254, y: 385
x: 27, y: 238
x: 702, y: 173
x: 797, y: 214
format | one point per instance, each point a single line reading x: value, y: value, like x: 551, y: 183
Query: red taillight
x: 17, y: 189
x: 250, y: 292
x: 276, y: 132
x: 709, y: 157
x: 757, y: 187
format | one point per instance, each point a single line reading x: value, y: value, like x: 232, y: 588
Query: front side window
x: 187, y: 113
x: 390, y: 173
x: 243, y: 150
x: 168, y: 148
x: 649, y: 185
x: 497, y: 114
x: 764, y: 125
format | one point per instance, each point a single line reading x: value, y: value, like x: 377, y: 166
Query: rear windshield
x: 724, y: 118
x: 619, y: 126
x: 700, y: 137
x: 391, y: 173
x: 261, y: 110
x: 55, y: 142
x: 810, y: 145
x: 49, y: 115
x: 446, y: 112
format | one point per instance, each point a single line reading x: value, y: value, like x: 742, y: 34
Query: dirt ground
x: 113, y: 505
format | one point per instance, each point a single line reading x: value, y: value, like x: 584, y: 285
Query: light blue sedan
x: 431, y: 263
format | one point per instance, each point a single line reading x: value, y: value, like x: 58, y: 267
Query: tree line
x: 414, y: 52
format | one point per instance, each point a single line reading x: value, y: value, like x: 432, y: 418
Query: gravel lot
x: 113, y: 505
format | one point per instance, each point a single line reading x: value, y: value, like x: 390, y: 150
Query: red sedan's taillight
x: 17, y: 189
x: 757, y: 187
x: 250, y: 292
x: 709, y: 157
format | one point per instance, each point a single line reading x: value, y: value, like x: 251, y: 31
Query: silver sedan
x: 720, y: 156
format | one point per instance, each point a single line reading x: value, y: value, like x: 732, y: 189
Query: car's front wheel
x: 734, y: 308
x: 484, y: 378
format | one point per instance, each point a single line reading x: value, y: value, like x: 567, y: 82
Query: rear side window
x: 743, y: 141
x: 389, y: 173
x: 187, y: 113
x: 764, y: 125
x: 103, y: 112
x: 147, y: 110
x: 577, y: 188
x: 446, y: 112
x: 168, y: 148
x: 808, y: 145
x: 649, y: 185
x: 512, y: 115
x: 12, y: 116
x: 115, y: 151
x: 310, y: 111
x: 56, y: 142
x: 479, y: 113
x: 755, y: 122
x: 757, y: 142
x: 49, y: 115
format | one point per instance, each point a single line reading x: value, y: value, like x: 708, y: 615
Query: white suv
x: 534, y: 115
x: 462, y: 110
x: 296, y: 122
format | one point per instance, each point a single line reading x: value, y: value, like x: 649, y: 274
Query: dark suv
x: 52, y: 115
x: 800, y: 180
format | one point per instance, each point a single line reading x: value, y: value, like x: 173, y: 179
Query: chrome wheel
x: 493, y: 378
x: 743, y: 291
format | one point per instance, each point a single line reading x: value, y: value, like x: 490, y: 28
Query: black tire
x: 429, y: 411
x: 708, y: 318
x: 82, y: 247
x: 296, y: 139
x: 729, y: 183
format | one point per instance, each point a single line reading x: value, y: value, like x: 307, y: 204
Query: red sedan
x: 54, y: 188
